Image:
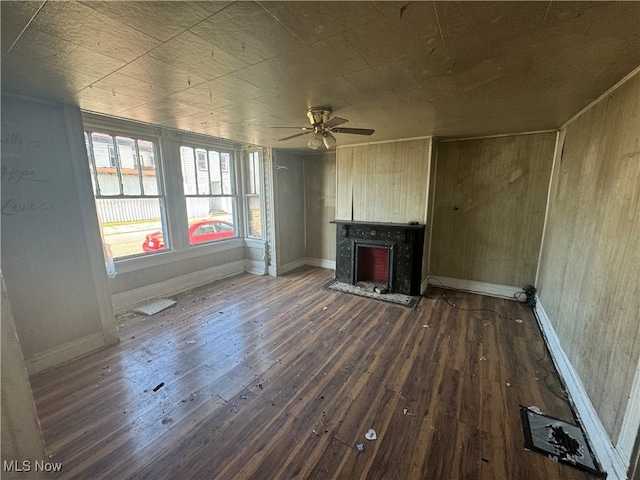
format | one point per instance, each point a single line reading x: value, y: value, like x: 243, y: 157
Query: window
x: 128, y: 192
x: 252, y: 196
x: 208, y: 182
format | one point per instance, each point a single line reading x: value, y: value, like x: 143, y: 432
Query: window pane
x: 146, y: 154
x: 87, y: 143
x: 216, y: 179
x: 131, y: 226
x: 188, y: 170
x: 147, y: 160
x: 254, y: 173
x: 128, y: 166
x: 210, y: 219
x: 203, y: 172
x: 225, y: 170
x: 105, y: 158
x: 127, y: 152
x: 255, y: 217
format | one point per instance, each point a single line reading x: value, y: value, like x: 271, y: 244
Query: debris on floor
x: 558, y: 440
x: 371, y: 434
x: 153, y: 307
x: 158, y: 387
x: 518, y: 320
x: 360, y: 447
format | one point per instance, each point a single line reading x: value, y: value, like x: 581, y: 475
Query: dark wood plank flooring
x: 277, y: 378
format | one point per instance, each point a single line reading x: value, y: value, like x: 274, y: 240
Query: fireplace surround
x: 388, y: 254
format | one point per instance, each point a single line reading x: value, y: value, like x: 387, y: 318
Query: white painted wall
x: 52, y: 257
x: 21, y: 437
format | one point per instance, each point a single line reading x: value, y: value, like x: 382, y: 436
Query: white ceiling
x: 405, y: 69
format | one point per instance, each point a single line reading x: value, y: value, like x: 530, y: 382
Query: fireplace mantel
x: 403, y: 241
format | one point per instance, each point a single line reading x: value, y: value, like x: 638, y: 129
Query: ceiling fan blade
x: 334, y: 122
x: 355, y: 131
x: 292, y: 136
x: 297, y: 128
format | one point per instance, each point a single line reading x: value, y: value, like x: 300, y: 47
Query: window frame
x: 114, y: 132
x: 196, y: 144
x: 251, y: 178
x: 166, y: 160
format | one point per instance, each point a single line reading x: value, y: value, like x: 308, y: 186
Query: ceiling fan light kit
x: 322, y: 126
x: 315, y: 141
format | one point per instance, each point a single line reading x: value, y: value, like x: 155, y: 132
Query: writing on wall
x: 19, y: 178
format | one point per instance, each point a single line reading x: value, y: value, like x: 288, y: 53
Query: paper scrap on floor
x: 155, y: 306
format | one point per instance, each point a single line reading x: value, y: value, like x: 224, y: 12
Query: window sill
x: 163, y: 258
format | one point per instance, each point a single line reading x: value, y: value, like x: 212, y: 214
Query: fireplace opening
x: 372, y: 266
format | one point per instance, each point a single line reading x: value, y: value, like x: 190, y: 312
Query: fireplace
x: 372, y: 264
x: 388, y: 255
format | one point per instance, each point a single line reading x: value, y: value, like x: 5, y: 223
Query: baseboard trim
x: 610, y: 459
x: 125, y: 300
x: 63, y: 353
x: 255, y: 267
x: 282, y: 269
x: 320, y: 262
x: 491, y: 289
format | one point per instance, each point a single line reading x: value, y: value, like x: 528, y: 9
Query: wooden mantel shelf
x: 379, y: 224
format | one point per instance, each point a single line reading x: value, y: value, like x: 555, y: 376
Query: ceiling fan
x: 322, y: 128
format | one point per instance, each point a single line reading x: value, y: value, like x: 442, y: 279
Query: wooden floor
x: 276, y: 378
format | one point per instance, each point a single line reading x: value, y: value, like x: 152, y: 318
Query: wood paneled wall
x: 384, y: 182
x: 590, y: 266
x: 320, y: 195
x: 489, y: 206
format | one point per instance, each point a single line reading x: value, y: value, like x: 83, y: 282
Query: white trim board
x: 321, y: 262
x: 473, y: 286
x: 282, y: 269
x: 255, y: 267
x: 125, y: 300
x: 64, y: 353
x: 609, y: 457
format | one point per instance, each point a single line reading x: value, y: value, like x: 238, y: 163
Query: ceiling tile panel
x: 248, y: 32
x: 488, y: 20
x: 33, y: 77
x: 119, y: 83
x: 161, y: 74
x: 88, y: 28
x: 160, y: 21
x: 48, y: 48
x: 336, y: 90
x: 97, y: 99
x: 272, y: 75
x: 234, y: 89
x: 200, y: 96
x: 316, y: 21
x: 193, y: 54
x: 389, y: 39
x: 160, y: 113
x: 15, y: 16
x: 383, y: 77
